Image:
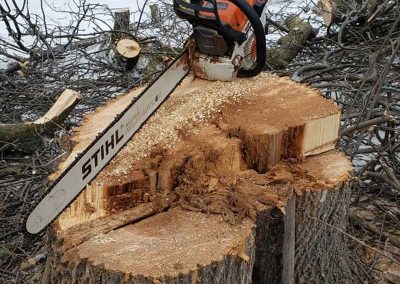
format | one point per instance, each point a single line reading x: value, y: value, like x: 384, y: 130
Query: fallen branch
x: 371, y: 228
x: 20, y: 132
x: 365, y: 124
x: 390, y: 173
x: 291, y: 44
x: 279, y: 26
x: 384, y: 178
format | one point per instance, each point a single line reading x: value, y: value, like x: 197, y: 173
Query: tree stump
x: 228, y: 182
x: 121, y: 24
x: 124, y: 45
x: 128, y: 50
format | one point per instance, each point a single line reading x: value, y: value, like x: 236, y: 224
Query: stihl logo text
x: 101, y: 153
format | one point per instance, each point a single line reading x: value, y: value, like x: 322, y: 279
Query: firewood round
x: 128, y: 48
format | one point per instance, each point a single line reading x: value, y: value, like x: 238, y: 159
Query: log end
x: 128, y: 51
x: 27, y: 136
x: 128, y: 48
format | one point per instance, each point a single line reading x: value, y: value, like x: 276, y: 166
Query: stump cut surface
x: 181, y: 199
x: 167, y: 244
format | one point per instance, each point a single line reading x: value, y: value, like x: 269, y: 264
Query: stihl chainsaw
x: 228, y: 41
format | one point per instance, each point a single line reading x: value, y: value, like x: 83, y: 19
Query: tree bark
x: 121, y: 24
x: 220, y: 186
x: 317, y: 245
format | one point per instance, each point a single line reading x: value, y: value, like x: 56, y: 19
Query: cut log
x: 335, y: 11
x: 291, y: 44
x: 219, y: 186
x: 22, y: 133
x: 128, y: 48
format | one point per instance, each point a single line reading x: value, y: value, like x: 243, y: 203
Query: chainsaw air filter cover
x: 209, y: 41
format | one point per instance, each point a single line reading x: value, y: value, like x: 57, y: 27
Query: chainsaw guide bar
x: 66, y: 188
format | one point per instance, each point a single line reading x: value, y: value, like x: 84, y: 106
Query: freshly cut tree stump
x: 229, y: 182
x: 125, y: 48
x: 129, y: 50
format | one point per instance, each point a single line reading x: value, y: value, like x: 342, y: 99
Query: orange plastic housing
x: 231, y: 14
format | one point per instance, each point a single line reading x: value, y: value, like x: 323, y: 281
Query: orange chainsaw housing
x: 231, y: 14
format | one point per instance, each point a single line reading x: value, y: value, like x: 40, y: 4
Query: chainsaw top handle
x: 191, y: 11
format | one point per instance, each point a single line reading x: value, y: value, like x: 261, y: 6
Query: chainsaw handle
x: 190, y: 11
x: 259, y: 33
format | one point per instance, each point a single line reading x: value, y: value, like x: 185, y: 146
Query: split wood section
x: 198, y: 195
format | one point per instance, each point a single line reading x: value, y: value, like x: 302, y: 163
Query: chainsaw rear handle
x: 226, y: 30
x: 259, y: 33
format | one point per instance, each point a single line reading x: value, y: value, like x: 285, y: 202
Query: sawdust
x: 278, y: 111
x: 242, y: 194
x: 193, y: 103
x: 198, y: 164
x: 201, y: 139
x: 201, y: 169
x: 206, y: 172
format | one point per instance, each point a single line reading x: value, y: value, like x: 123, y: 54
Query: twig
x: 382, y: 177
x: 368, y: 226
x: 366, y: 124
x: 357, y: 240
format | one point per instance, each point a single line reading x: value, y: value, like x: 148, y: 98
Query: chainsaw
x: 228, y: 41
